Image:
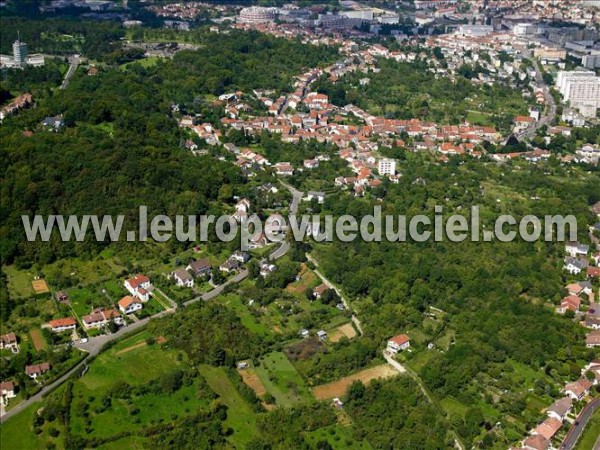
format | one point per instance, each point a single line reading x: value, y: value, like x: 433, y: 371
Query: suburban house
x: 231, y: 265
x: 99, y: 318
x: 266, y: 268
x: 578, y: 389
x: 537, y: 442
x: 200, y: 267
x: 570, y: 303
x: 7, y: 390
x: 62, y: 296
x: 9, y: 341
x: 183, y: 278
x: 65, y: 324
x: 242, y: 257
x: 398, y: 343
x: 319, y: 196
x: 284, y: 169
x: 593, y: 272
x: 560, y: 408
x: 320, y: 290
x: 129, y: 304
x: 548, y: 428
x: 138, y: 286
x: 36, y: 370
x: 582, y: 287
x: 593, y: 339
x: 574, y: 266
x: 575, y: 249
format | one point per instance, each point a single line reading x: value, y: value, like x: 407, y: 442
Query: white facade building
x: 581, y: 90
x: 386, y: 167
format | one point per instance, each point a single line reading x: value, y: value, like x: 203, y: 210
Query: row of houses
x: 540, y: 438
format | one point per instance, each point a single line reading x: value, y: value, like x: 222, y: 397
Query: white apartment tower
x: 20, y: 53
x: 387, y: 167
x: 581, y: 90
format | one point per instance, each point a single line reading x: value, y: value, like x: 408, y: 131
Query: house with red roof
x: 36, y: 370
x: 130, y: 304
x: 398, y: 343
x: 138, y: 286
x: 64, y: 324
x: 570, y: 303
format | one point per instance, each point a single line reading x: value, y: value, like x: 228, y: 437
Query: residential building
x: 7, y: 390
x: 9, y: 341
x: 183, y: 278
x: 560, y: 408
x: 581, y: 90
x: 130, y: 304
x: 138, y: 286
x: 36, y: 370
x: 578, y: 389
x: 65, y: 324
x: 99, y: 318
x: 200, y: 267
x: 386, y: 167
x: 593, y: 339
x: 398, y: 343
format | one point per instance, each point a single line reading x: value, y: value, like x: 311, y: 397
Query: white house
x: 575, y: 248
x: 9, y: 341
x: 574, y: 266
x: 398, y: 343
x: 560, y: 408
x: 7, y: 390
x: 129, y: 304
x: 138, y: 286
x: 183, y: 278
x: 60, y: 325
x: 36, y: 370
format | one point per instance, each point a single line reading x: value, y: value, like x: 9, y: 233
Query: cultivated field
x: 37, y: 339
x: 251, y: 379
x: 346, y: 331
x: 338, y: 388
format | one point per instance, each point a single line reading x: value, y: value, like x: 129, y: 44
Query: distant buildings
x: 257, y: 14
x: 20, y: 57
x: 581, y: 90
x: 386, y: 167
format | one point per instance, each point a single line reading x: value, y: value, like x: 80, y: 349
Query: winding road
x: 550, y: 111
x: 94, y: 346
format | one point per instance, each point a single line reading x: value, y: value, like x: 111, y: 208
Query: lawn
x: 453, y: 407
x: 19, y: 282
x: 17, y: 433
x: 239, y: 415
x: 83, y: 300
x: 337, y: 436
x: 136, y: 366
x: 282, y: 379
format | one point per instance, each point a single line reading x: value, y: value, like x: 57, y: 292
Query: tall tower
x: 20, y: 53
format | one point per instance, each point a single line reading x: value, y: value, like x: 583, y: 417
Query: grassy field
x: 137, y: 366
x: 591, y: 435
x: 282, y: 379
x: 338, y: 437
x: 17, y: 433
x: 239, y: 415
x: 19, y: 282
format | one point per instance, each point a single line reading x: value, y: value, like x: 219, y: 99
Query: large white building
x: 20, y: 57
x: 581, y: 90
x: 386, y: 167
x: 20, y: 53
x: 257, y: 14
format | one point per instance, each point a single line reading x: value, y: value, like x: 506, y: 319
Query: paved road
x: 92, y: 347
x: 74, y: 60
x: 550, y: 111
x: 576, y: 430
